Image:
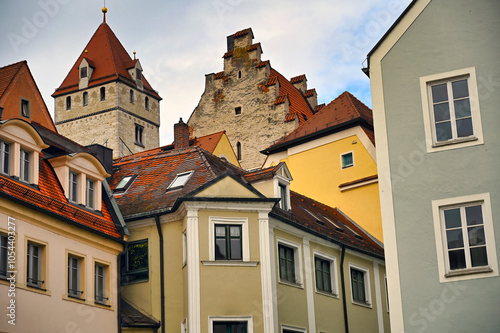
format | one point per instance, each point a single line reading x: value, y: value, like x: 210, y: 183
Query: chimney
x: 181, y: 135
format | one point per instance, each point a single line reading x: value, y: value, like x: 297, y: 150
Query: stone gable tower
x: 251, y: 101
x: 106, y: 99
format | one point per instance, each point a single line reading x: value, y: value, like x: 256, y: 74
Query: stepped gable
x: 110, y: 61
x: 341, y: 111
x: 329, y: 223
x: 16, y: 82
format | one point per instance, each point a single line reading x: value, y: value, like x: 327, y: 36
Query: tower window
x: 68, y: 103
x: 138, y: 135
x: 131, y: 96
x: 103, y: 93
x: 85, y: 98
x: 237, y: 110
x: 138, y: 74
x: 83, y: 72
x: 238, y: 151
x: 146, y: 103
x: 239, y: 75
x: 25, y: 108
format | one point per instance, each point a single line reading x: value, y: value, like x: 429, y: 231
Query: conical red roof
x: 109, y: 60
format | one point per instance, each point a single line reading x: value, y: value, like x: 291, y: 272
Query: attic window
x: 354, y: 232
x: 138, y: 74
x: 83, y: 72
x: 333, y: 223
x: 124, y: 184
x: 316, y: 219
x: 25, y: 108
x: 180, y: 180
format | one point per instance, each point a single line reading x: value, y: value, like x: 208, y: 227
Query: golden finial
x: 104, y: 11
x: 134, y: 55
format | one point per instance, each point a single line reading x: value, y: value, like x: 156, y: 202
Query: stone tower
x: 251, y: 101
x: 106, y: 99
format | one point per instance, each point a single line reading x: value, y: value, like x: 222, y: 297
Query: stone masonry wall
x: 260, y: 123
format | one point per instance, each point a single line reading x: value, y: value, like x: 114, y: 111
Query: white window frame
x: 4, y: 154
x: 245, y: 242
x: 366, y: 277
x: 29, y: 276
x: 445, y: 275
x: 23, y: 161
x: 90, y: 200
x: 78, y: 292
x: 342, y: 166
x: 4, y: 250
x: 292, y: 328
x: 174, y: 186
x: 73, y: 194
x: 425, y: 83
x: 247, y: 319
x: 297, y: 259
x: 105, y: 297
x: 333, y: 273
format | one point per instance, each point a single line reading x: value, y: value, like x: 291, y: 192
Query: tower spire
x: 104, y: 11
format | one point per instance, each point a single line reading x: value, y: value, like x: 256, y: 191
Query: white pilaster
x: 265, y: 271
x: 378, y: 297
x: 309, y: 286
x: 193, y: 266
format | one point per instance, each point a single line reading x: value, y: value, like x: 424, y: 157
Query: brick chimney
x: 181, y: 135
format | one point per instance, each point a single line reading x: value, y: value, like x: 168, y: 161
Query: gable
x: 226, y: 187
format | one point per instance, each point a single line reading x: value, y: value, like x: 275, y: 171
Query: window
x: 138, y: 74
x: 73, y: 187
x: 146, y: 103
x: 292, y: 329
x: 5, y: 158
x: 228, y: 242
x: 83, y: 72
x: 238, y: 151
x: 138, y: 135
x: 131, y: 96
x: 284, y: 196
x: 323, y: 275
x: 239, y: 74
x: 24, y: 174
x: 25, y: 108
x: 180, y: 180
x: 100, y: 283
x: 287, y: 263
x: 90, y: 194
x: 3, y: 255
x: 136, y: 261
x: 68, y: 103
x: 103, y: 93
x: 74, y: 272
x: 347, y: 160
x: 464, y: 237
x: 230, y: 327
x: 34, y: 266
x: 360, y: 285
x: 85, y: 98
x: 124, y: 183
x: 237, y: 110
x: 451, y: 109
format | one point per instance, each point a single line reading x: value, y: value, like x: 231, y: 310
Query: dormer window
x: 180, y: 180
x: 73, y: 187
x: 4, y: 157
x: 24, y: 172
x: 138, y: 74
x: 25, y: 108
x: 283, y: 196
x: 83, y: 72
x: 90, y: 196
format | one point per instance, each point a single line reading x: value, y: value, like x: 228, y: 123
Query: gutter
x: 162, y: 274
x: 344, y: 300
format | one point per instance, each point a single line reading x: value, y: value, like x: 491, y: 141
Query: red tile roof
x: 50, y: 199
x: 321, y: 224
x: 219, y: 75
x: 281, y: 99
x: 263, y: 64
x: 319, y: 107
x: 299, y: 78
x: 110, y: 60
x: 7, y: 73
x: 262, y: 174
x: 252, y: 47
x: 243, y: 32
x: 310, y: 92
x: 208, y: 142
x: 271, y: 81
x: 343, y: 109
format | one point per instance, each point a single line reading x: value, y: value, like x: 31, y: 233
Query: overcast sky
x: 178, y: 42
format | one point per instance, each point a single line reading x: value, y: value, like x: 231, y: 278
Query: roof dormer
x: 85, y: 70
x: 81, y: 176
x: 20, y: 147
x: 135, y: 70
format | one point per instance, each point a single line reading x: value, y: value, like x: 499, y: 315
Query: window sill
x: 96, y: 303
x: 327, y: 294
x: 230, y: 263
x: 455, y: 141
x: 469, y: 271
x: 139, y: 144
x: 363, y: 304
x: 292, y: 284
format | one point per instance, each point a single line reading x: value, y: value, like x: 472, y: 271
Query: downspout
x: 344, y: 301
x: 162, y: 274
x: 119, y: 261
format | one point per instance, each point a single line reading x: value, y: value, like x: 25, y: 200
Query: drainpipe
x: 119, y: 261
x: 344, y: 301
x: 162, y: 274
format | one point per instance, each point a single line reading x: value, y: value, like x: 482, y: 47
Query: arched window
x: 238, y: 151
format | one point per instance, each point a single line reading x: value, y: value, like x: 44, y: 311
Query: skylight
x: 180, y: 180
x: 333, y: 223
x: 124, y: 183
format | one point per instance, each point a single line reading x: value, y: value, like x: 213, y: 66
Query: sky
x: 179, y: 41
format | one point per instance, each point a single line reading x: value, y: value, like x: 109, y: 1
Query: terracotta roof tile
x: 7, y: 73
x: 110, y: 61
x: 263, y: 64
x: 230, y: 53
x: 219, y: 75
x: 310, y: 93
x: 271, y: 81
x: 262, y: 174
x: 319, y: 107
x: 281, y: 99
x: 343, y: 230
x: 208, y: 142
x: 297, y: 79
x: 341, y: 110
x: 243, y: 32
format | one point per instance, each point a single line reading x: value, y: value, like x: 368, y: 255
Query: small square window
x: 85, y: 98
x: 136, y: 262
x: 230, y: 327
x: 25, y: 108
x: 103, y: 93
x: 347, y: 160
x: 237, y: 110
x: 68, y: 103
x: 228, y: 242
x: 124, y: 183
